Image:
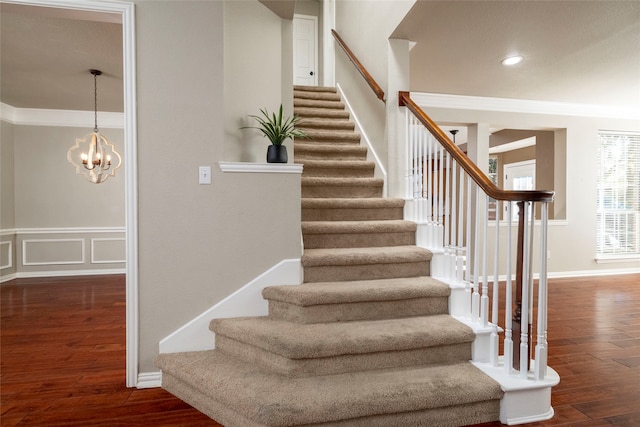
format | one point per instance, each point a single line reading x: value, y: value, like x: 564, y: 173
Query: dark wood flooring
x: 63, y: 356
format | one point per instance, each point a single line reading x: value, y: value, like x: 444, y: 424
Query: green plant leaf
x: 276, y: 128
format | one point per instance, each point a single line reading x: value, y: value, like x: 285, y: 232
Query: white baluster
x: 524, y: 318
x: 484, y: 301
x: 541, y: 341
x: 475, y: 302
x: 467, y: 248
x: 508, y: 321
x: 495, y: 342
x: 453, y: 221
x: 460, y: 245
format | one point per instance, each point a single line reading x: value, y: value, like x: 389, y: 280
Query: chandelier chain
x: 95, y: 102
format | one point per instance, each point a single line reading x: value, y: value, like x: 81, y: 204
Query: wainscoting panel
x: 106, y: 250
x: 52, y: 251
x: 6, y: 255
x: 44, y: 252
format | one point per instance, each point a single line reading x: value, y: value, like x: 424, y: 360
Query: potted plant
x: 277, y: 129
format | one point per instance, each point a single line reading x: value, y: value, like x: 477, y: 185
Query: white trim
x: 63, y: 273
x: 354, y: 117
x: 481, y: 103
x: 261, y: 167
x: 8, y: 277
x: 69, y: 230
x: 70, y: 118
x: 603, y: 259
x: 24, y: 252
x: 8, y: 232
x: 246, y: 301
x: 9, y: 255
x: 105, y: 239
x: 590, y: 273
x: 149, y: 379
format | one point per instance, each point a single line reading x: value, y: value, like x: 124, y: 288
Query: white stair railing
x: 452, y: 201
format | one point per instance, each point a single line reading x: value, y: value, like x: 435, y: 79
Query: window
x: 618, y: 225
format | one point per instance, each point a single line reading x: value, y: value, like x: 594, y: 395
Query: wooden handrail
x: 369, y: 79
x: 471, y: 168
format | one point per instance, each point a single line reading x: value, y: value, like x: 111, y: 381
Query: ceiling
x: 46, y: 55
x: 585, y: 52
x: 575, y: 51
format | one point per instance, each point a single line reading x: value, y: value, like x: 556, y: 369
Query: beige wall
x: 57, y: 221
x: 7, y: 198
x: 254, y: 76
x: 365, y: 28
x: 200, y: 243
x: 571, y: 242
x: 7, y: 201
x: 48, y: 193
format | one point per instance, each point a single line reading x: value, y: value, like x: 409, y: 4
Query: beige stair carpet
x: 367, y: 339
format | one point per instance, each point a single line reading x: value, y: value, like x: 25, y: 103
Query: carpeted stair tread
x: 342, y: 182
x: 306, y: 341
x: 325, y: 123
x: 326, y: 113
x: 324, y: 135
x: 344, y: 203
x: 256, y: 398
x: 319, y: 151
x: 357, y: 291
x: 365, y: 256
x: 315, y: 88
x: 339, y: 169
x: 338, y: 227
x: 313, y: 103
x: 319, y: 95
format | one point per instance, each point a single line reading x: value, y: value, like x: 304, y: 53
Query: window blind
x: 618, y: 188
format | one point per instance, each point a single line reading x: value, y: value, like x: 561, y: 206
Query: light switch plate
x: 204, y: 175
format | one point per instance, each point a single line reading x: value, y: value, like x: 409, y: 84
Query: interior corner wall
x: 7, y: 203
x: 198, y: 244
x: 253, y: 76
x: 7, y: 198
x: 365, y: 26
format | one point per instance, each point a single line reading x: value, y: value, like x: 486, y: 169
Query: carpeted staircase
x: 366, y: 340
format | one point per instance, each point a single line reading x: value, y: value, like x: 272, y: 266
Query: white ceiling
x: 575, y: 51
x: 46, y: 55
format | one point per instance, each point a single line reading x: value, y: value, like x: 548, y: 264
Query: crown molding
x: 480, y: 103
x: 68, y: 118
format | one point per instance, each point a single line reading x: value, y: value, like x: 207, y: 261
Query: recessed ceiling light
x: 512, y: 60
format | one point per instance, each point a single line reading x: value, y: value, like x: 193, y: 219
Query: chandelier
x: 93, y: 155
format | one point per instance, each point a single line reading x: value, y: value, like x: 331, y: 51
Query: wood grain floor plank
x: 62, y: 356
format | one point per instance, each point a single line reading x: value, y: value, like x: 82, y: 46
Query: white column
x: 398, y: 80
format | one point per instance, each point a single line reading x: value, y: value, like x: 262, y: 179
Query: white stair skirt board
x: 524, y: 400
x: 246, y: 301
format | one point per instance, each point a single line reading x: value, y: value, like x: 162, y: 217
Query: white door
x: 520, y: 176
x: 305, y: 50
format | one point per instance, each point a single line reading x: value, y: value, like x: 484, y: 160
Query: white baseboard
x: 62, y: 273
x: 8, y: 277
x: 149, y: 380
x: 246, y: 301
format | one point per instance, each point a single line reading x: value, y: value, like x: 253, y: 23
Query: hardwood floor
x: 63, y: 359
x: 62, y: 349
